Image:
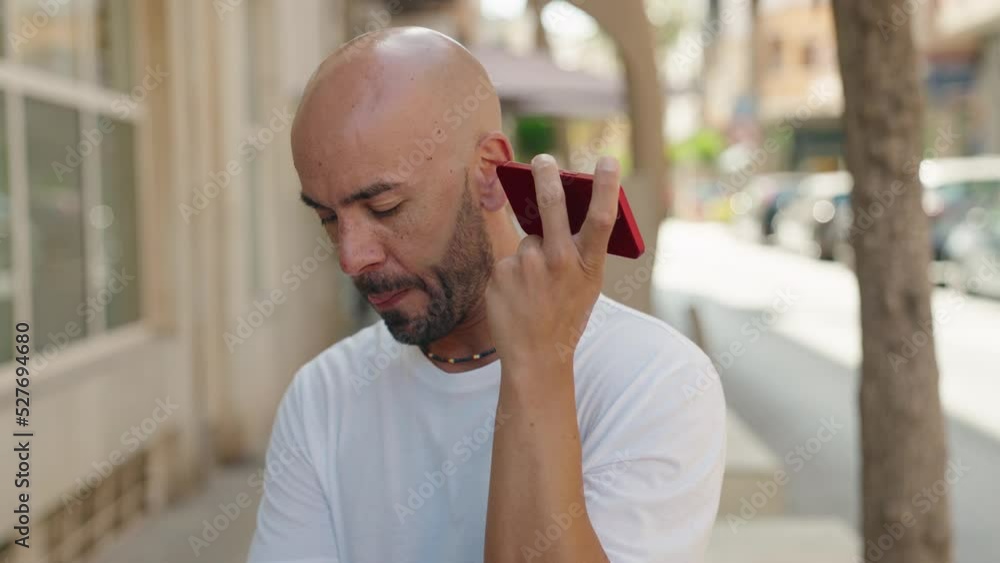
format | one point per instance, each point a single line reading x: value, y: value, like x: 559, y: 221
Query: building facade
x: 773, y: 81
x: 800, y: 97
x: 961, y: 39
x: 153, y: 241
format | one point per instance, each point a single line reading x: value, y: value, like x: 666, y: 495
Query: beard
x: 457, y: 283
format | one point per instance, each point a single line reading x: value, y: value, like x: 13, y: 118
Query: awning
x: 533, y: 84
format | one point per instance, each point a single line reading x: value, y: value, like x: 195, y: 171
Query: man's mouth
x: 387, y: 299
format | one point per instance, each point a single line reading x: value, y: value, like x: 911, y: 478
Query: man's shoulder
x: 625, y: 333
x: 628, y: 352
x: 639, y: 379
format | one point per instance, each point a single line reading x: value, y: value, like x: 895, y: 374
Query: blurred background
x: 152, y: 237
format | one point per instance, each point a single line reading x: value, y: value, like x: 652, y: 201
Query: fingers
x: 551, y: 203
x: 602, y: 212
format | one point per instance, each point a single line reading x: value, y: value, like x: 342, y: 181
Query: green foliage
x: 704, y: 147
x: 534, y: 135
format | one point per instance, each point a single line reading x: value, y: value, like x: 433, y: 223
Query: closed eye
x: 380, y: 213
x: 387, y: 212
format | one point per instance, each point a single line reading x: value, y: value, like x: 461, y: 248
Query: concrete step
x: 784, y: 540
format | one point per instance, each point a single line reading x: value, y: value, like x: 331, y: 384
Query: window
x: 69, y: 253
x: 56, y: 215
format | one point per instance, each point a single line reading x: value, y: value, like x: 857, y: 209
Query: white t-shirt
x: 378, y: 456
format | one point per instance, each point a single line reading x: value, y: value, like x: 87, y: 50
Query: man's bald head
x: 411, y: 75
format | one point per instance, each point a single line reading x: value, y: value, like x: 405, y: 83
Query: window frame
x: 92, y: 100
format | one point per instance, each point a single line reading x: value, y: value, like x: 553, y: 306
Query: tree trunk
x: 903, y: 440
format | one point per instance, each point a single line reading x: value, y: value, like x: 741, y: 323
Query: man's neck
x: 470, y: 338
x: 473, y: 335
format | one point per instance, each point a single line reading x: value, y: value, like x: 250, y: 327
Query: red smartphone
x: 519, y: 185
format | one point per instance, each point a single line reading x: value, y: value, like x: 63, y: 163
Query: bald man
x: 503, y: 409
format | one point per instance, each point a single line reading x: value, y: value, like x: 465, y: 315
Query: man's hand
x: 537, y: 299
x: 542, y: 296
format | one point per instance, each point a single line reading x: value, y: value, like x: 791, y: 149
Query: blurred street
x: 161, y: 281
x: 734, y: 285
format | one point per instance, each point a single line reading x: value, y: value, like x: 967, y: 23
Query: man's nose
x: 360, y: 249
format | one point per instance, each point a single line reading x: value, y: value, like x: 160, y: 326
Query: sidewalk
x: 784, y: 387
x: 167, y: 537
x: 819, y: 310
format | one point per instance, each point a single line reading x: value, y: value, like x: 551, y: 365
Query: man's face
x: 390, y: 181
x: 438, y: 297
x: 415, y: 246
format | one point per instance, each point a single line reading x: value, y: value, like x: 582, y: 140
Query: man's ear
x: 494, y: 149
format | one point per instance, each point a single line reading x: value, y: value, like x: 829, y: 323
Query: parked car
x: 954, y: 187
x: 974, y: 249
x: 805, y: 225
x: 770, y: 193
x: 834, y: 236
